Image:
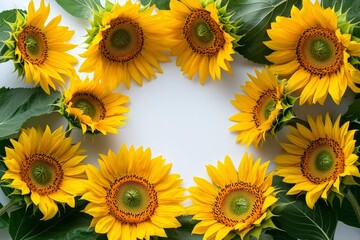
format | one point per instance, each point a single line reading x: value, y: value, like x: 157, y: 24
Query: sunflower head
x: 39, y: 51
x: 132, y: 195
x: 46, y: 166
x: 202, y: 36
x: 237, y: 202
x: 319, y: 158
x: 314, y: 49
x: 92, y: 107
x: 128, y: 40
x: 264, y: 109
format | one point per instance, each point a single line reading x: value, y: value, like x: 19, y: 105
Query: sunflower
x: 129, y: 44
x: 93, y: 107
x: 47, y: 166
x: 311, y: 50
x: 318, y: 158
x: 236, y: 202
x: 202, y: 37
x: 39, y: 50
x: 264, y: 108
x: 133, y: 196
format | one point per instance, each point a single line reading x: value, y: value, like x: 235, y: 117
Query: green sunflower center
x: 238, y: 202
x: 322, y: 161
x: 319, y: 51
x: 90, y: 105
x: 122, y: 41
x: 203, y: 33
x: 265, y: 105
x: 42, y: 173
x: 32, y: 44
x: 132, y: 199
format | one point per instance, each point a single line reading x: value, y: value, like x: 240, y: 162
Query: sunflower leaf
x: 349, y: 209
x: 4, y: 219
x: 20, y: 104
x: 256, y: 17
x: 80, y: 8
x: 70, y: 223
x: 301, y: 222
x: 160, y: 4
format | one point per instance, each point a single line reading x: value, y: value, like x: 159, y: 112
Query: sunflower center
x: 203, y: 33
x: 42, y: 173
x: 90, y: 105
x: 265, y: 105
x: 132, y: 199
x: 122, y: 41
x: 319, y: 51
x: 32, y: 44
x: 238, y: 202
x: 322, y: 161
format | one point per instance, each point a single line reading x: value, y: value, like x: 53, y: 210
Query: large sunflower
x: 47, y: 166
x: 128, y: 45
x: 93, y: 107
x: 133, y: 196
x: 311, y: 50
x: 39, y: 50
x: 236, y: 202
x: 264, y: 109
x: 318, y: 158
x: 199, y: 38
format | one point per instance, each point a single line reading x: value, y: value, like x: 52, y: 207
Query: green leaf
x: 4, y: 219
x: 20, y: 104
x: 349, y: 209
x: 256, y: 17
x: 160, y: 4
x: 6, y: 190
x: 301, y: 222
x: 79, y: 8
x: 276, y: 234
x: 69, y: 224
x: 352, y: 8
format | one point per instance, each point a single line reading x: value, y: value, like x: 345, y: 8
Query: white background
x: 177, y: 118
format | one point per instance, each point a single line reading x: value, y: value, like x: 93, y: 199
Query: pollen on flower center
x: 319, y: 51
x: 32, y: 44
x: 265, y: 104
x: 238, y: 202
x: 42, y: 173
x: 132, y: 199
x: 122, y: 41
x: 322, y: 161
x: 90, y: 105
x: 203, y: 33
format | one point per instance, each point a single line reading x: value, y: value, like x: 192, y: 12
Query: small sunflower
x: 128, y: 44
x: 318, y: 158
x: 133, y: 196
x: 39, y: 50
x: 47, y: 166
x: 236, y: 202
x: 93, y: 107
x: 202, y: 37
x: 265, y: 108
x: 311, y: 50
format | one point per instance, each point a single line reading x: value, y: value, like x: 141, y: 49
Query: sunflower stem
x: 354, y: 203
x: 296, y: 120
x: 12, y: 205
x: 68, y: 131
